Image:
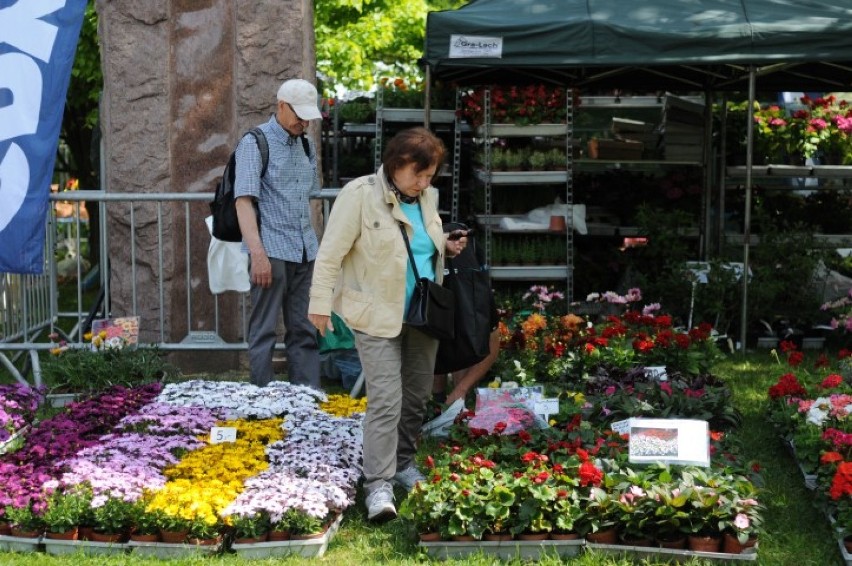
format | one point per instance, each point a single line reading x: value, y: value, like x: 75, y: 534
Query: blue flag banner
x: 38, y: 39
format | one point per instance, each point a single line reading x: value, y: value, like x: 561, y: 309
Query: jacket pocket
x: 357, y: 308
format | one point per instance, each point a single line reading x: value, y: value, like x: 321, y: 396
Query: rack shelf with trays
x: 784, y: 177
x: 487, y: 134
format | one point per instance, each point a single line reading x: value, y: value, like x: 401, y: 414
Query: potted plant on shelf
x: 143, y: 525
x: 64, y: 511
x: 427, y: 508
x: 538, y: 160
x: 250, y: 525
x: 598, y: 524
x: 303, y: 524
x: 112, y: 517
x: 24, y: 521
x: 745, y: 520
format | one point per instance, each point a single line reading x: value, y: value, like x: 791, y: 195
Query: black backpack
x: 226, y: 226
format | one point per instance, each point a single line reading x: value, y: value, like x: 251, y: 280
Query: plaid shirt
x: 282, y: 194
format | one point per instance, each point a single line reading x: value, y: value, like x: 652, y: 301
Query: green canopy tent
x: 654, y: 45
x: 678, y: 45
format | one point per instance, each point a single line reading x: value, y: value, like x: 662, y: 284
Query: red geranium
x: 590, y: 475
x: 787, y: 385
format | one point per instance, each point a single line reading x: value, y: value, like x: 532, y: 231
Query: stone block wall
x: 182, y: 80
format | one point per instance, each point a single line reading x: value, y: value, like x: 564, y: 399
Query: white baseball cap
x: 302, y: 97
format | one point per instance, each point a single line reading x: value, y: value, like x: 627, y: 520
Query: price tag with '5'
x: 219, y: 434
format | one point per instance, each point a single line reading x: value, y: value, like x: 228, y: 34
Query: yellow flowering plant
x: 344, y: 405
x: 193, y: 506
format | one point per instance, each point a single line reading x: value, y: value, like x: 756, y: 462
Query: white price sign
x: 621, y: 427
x: 547, y: 407
x: 219, y: 434
x: 656, y: 373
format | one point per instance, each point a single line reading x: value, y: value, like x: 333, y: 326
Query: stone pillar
x: 182, y: 80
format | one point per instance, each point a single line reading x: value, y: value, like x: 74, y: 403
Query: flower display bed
x: 812, y: 416
x: 54, y: 546
x: 505, y: 550
x: 19, y: 544
x: 308, y: 548
x: 669, y: 554
x: 131, y: 459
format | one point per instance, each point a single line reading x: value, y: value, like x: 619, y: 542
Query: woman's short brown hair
x: 415, y: 145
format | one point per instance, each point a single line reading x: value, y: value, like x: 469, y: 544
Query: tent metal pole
x: 427, y: 98
x: 752, y: 78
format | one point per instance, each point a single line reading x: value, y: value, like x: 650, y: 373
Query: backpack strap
x: 306, y: 146
x: 263, y: 146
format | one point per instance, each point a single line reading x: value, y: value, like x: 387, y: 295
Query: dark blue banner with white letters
x: 38, y: 39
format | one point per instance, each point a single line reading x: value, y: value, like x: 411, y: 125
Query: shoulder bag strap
x: 408, y: 247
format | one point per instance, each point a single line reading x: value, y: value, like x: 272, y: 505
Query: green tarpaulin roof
x: 652, y: 44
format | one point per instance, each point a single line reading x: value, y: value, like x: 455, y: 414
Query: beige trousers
x: 398, y: 373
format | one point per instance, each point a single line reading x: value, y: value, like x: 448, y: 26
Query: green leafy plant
x: 355, y: 112
x: 141, y: 521
x: 253, y: 525
x: 300, y: 522
x: 112, y: 515
x: 81, y: 370
x: 65, y: 509
x: 24, y: 518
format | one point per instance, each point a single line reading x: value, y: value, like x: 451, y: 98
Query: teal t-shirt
x: 422, y: 249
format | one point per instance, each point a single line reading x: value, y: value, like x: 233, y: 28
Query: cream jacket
x: 362, y: 261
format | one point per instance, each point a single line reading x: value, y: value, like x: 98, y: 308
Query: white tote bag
x: 227, y: 265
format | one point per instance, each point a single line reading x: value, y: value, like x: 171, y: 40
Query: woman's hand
x: 456, y: 242
x: 321, y: 322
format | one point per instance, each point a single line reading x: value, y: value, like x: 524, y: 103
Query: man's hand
x: 321, y: 322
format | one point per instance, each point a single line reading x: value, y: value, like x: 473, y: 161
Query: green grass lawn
x: 797, y: 533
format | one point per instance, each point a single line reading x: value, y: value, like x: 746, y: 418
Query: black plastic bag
x: 467, y: 276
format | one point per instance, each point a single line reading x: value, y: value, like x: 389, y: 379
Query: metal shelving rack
x: 489, y: 179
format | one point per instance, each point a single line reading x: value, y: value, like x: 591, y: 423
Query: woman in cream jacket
x: 362, y: 272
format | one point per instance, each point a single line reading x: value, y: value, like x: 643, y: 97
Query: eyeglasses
x: 299, y: 118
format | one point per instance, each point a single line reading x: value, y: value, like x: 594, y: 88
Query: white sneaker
x: 408, y: 477
x: 380, y: 506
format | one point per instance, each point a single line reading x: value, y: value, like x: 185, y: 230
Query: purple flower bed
x: 24, y: 472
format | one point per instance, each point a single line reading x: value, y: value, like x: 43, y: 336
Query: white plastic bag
x: 227, y: 265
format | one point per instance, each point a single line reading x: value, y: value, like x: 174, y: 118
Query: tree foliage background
x: 359, y: 40
x: 356, y: 42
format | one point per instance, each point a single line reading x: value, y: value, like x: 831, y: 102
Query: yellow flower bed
x: 205, y: 481
x: 344, y: 405
x: 265, y: 431
x: 191, y: 501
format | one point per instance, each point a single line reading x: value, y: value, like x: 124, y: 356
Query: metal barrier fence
x: 147, y: 268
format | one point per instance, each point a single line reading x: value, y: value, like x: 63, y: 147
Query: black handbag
x: 432, y: 307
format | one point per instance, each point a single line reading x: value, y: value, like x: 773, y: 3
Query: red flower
x: 589, y: 474
x: 832, y: 381
x: 794, y: 359
x: 787, y: 385
x: 787, y: 346
x: 842, y: 483
x: 430, y: 462
x: 830, y: 457
x: 582, y: 455
x: 499, y: 427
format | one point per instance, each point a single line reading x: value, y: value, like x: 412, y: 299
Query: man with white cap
x: 275, y: 220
